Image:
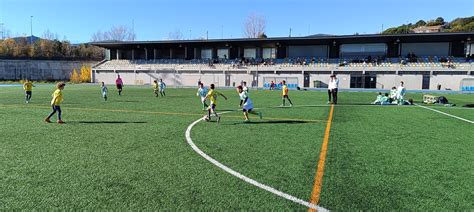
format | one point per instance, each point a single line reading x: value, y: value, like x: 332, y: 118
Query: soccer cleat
x: 246, y: 121
x: 47, y: 120
x: 60, y: 122
x: 282, y: 105
x: 291, y: 105
x: 329, y: 102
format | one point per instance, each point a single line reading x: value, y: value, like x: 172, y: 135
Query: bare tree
x: 175, y: 35
x: 116, y: 33
x: 48, y: 35
x: 98, y: 36
x: 254, y: 26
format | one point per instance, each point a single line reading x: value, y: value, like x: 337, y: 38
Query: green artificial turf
x: 130, y: 153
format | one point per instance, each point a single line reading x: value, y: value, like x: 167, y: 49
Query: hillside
x: 457, y: 25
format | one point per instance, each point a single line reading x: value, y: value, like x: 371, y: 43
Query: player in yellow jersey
x: 28, y: 87
x: 55, y: 102
x: 155, y: 87
x: 284, y: 94
x: 212, y: 95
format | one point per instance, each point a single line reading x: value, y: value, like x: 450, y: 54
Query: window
x: 363, y: 50
x: 206, y: 53
x: 269, y: 53
x: 223, y: 53
x: 250, y: 53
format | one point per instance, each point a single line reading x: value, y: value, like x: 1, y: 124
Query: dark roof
x: 412, y: 37
x: 28, y: 39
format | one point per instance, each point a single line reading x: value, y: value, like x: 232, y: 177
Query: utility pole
x: 207, y: 35
x: 290, y: 32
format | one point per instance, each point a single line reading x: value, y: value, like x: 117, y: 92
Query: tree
x: 21, y: 48
x: 420, y: 23
x: 74, y: 77
x: 85, y: 75
x: 175, y: 35
x: 254, y: 26
x: 440, y: 20
x: 7, y: 47
x: 116, y: 33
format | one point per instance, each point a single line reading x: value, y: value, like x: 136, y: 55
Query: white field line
x: 243, y: 177
x: 447, y: 114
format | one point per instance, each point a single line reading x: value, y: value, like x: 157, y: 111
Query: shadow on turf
x: 271, y: 122
x: 109, y: 122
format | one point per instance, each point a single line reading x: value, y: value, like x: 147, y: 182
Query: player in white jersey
x: 202, y: 92
x: 401, y: 93
x: 244, y: 87
x: 162, y: 86
x: 104, y: 90
x: 246, y: 104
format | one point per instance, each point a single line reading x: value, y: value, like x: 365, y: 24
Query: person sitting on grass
x: 378, y: 100
x: 212, y: 96
x: 385, y: 99
x: 55, y: 102
x: 202, y: 92
x: 246, y: 104
x: 104, y: 91
x: 28, y: 87
x: 393, y: 94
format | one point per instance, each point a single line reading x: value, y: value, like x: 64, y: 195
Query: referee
x: 333, y: 86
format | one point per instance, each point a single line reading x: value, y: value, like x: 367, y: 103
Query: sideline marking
x: 243, y: 177
x: 447, y: 114
x: 318, y: 179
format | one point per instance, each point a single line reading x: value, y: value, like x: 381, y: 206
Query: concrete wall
x: 447, y: 81
x: 412, y: 82
x: 171, y: 79
x: 38, y: 69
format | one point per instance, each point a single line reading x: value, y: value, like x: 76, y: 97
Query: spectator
x: 272, y: 86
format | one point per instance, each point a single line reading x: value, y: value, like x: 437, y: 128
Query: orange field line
x: 318, y: 179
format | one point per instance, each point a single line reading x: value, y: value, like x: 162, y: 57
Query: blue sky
x: 77, y: 20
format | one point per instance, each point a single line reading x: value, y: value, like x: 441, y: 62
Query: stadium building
x: 423, y: 61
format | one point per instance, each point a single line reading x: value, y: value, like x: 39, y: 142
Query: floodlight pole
x: 31, y: 30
